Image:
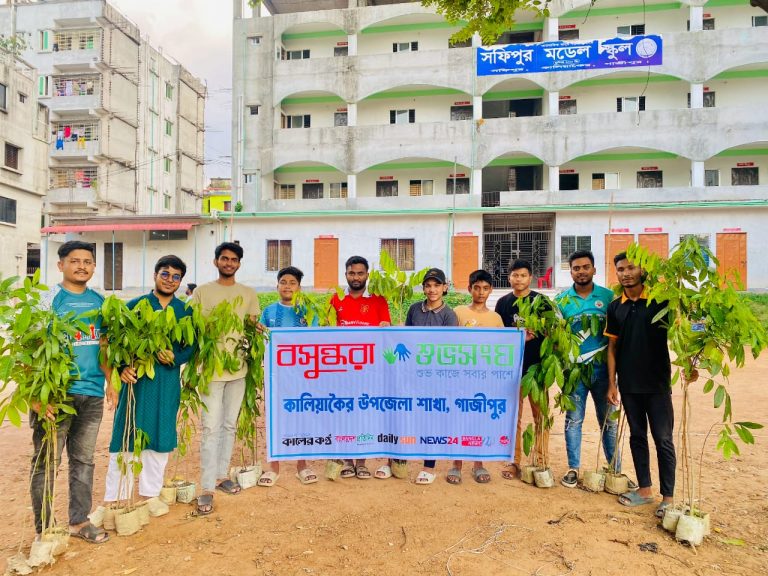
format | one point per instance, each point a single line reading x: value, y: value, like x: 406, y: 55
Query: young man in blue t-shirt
x: 78, y: 432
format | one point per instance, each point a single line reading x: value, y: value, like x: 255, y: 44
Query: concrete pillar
x: 476, y: 40
x: 352, y: 186
x: 477, y: 181
x: 352, y: 45
x: 552, y: 103
x: 554, y: 179
x: 352, y: 114
x: 697, y: 95
x: 477, y: 107
x: 551, y: 29
x: 237, y: 9
x: 696, y: 16
x: 697, y: 173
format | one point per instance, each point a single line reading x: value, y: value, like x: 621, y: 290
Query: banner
x: 402, y: 392
x: 562, y: 55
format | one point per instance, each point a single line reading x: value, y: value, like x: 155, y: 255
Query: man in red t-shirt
x: 358, y: 308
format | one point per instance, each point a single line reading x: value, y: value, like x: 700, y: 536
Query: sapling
x: 395, y: 285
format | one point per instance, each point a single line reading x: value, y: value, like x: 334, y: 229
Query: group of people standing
x: 638, y: 365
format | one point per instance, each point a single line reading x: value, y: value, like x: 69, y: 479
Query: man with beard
x: 225, y: 393
x: 583, y: 300
x: 156, y: 398
x: 358, y: 308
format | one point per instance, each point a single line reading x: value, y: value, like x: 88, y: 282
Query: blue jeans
x: 574, y: 419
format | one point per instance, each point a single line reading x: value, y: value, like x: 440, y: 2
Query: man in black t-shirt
x: 638, y: 354
x: 520, y: 277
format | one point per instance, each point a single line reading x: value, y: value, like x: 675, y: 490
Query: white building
x: 23, y: 166
x: 127, y: 121
x: 355, y: 120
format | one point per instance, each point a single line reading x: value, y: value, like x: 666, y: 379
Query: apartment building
x: 127, y: 122
x: 361, y: 126
x: 23, y: 166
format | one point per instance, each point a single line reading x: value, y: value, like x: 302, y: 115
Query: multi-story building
x: 359, y: 125
x: 127, y: 121
x: 23, y: 166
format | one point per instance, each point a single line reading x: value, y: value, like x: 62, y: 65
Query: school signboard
x: 409, y: 393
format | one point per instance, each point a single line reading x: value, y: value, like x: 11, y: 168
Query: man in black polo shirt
x: 638, y: 353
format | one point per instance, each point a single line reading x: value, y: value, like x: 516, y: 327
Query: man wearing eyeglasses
x: 156, y: 398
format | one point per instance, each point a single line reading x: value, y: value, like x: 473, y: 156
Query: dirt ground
x: 367, y: 527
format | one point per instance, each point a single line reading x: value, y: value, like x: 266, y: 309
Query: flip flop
x: 383, y: 472
x: 229, y: 487
x: 661, y: 509
x: 347, y: 471
x: 454, y: 473
x: 511, y: 471
x: 481, y: 475
x: 425, y: 477
x: 633, y: 499
x: 268, y: 479
x: 362, y: 472
x: 307, y: 476
x: 91, y: 534
x: 204, y: 504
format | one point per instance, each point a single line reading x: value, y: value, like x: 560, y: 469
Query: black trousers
x: 656, y: 410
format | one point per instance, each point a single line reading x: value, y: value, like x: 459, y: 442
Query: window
x: 12, y: 154
x: 296, y: 55
x: 605, y: 181
x: 337, y: 190
x: 167, y: 164
x: 341, y: 50
x: 566, y: 107
x: 650, y: 179
x: 421, y: 187
x: 401, y: 251
x: 22, y: 98
x: 253, y: 109
x: 79, y: 132
x: 73, y: 40
x: 168, y: 90
x: 285, y: 191
x: 298, y: 121
x: 254, y: 40
x: 457, y: 185
x: 402, y: 116
x: 405, y: 46
x: 569, y: 245
x: 633, y: 30
x: 707, y: 24
x: 168, y: 234
x: 75, y: 85
x: 711, y: 177
x: 569, y: 181
x: 386, y: 188
x: 461, y: 112
x: 759, y: 21
x: 630, y: 104
x: 44, y: 40
x: 572, y: 34
x: 7, y: 210
x: 340, y: 118
x: 248, y: 178
x: 709, y: 99
x: 739, y: 176
x: 278, y: 254
x: 74, y: 177
x: 312, y: 191
x: 168, y: 128
x: 3, y: 97
x: 167, y: 201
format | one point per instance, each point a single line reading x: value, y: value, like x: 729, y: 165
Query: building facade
x: 23, y: 167
x: 359, y: 125
x: 127, y: 122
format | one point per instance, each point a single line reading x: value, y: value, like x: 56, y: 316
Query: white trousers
x: 150, y: 479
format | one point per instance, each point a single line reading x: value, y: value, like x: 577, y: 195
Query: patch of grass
x: 758, y: 303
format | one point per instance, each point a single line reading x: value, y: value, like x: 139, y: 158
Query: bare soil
x: 368, y: 527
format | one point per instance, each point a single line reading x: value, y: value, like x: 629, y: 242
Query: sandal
x: 347, y: 471
x: 383, y: 472
x: 362, y: 472
x: 307, y: 476
x: 229, y: 487
x: 454, y: 476
x: 204, y: 504
x: 511, y: 471
x: 481, y: 475
x: 425, y: 477
x: 661, y: 510
x: 267, y: 479
x: 400, y: 469
x: 91, y: 534
x: 633, y: 499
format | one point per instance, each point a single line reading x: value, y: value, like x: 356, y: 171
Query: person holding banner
x: 283, y: 314
x: 431, y: 312
x: 476, y: 315
x: 358, y: 308
x: 520, y: 277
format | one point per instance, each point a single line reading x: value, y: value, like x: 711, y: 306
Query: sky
x: 198, y: 35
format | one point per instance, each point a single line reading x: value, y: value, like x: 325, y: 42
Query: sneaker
x: 570, y: 480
